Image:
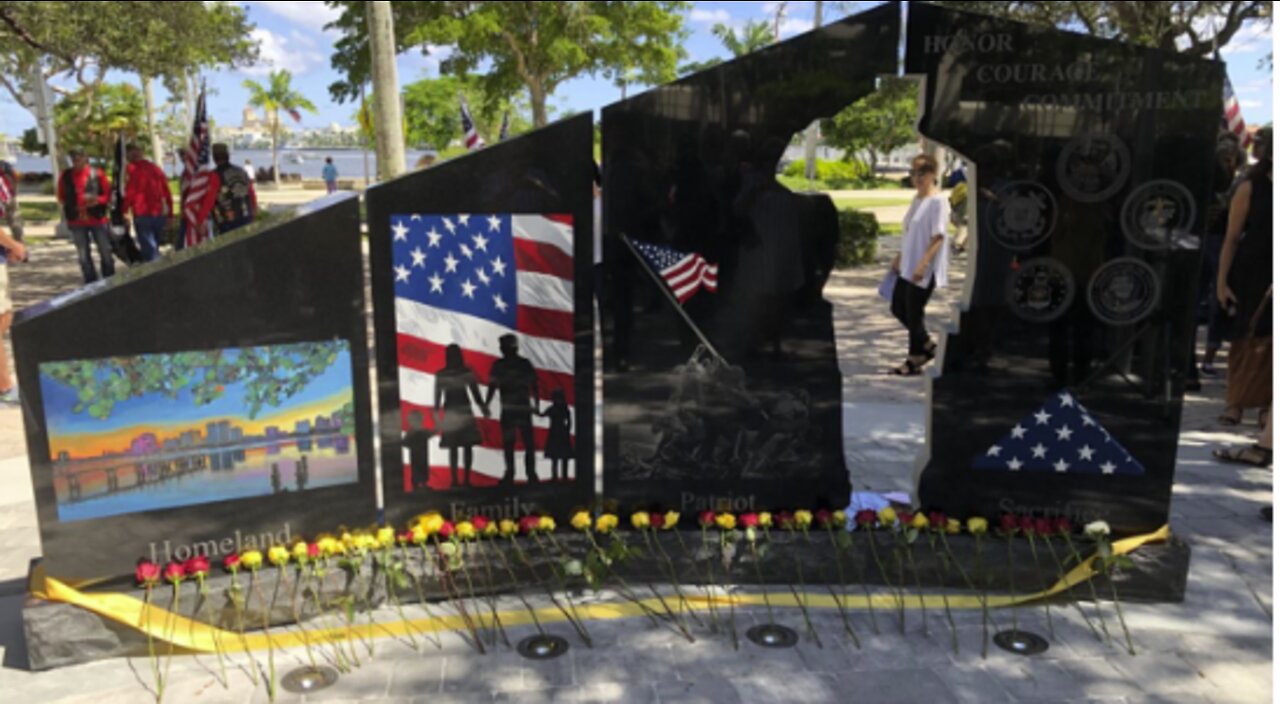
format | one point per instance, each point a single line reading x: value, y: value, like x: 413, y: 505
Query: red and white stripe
x: 1233, y: 116
x: 197, y: 161
x: 544, y: 280
x: 690, y: 274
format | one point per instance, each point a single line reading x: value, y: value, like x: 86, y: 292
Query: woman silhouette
x: 455, y: 420
x: 559, y: 448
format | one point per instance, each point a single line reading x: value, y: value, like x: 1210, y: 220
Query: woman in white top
x: 922, y: 263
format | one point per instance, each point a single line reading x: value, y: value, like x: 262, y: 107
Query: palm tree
x: 278, y: 95
x: 755, y: 35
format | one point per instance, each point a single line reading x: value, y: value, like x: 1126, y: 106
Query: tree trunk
x: 388, y: 129
x: 275, y: 147
x: 149, y: 104
x: 44, y: 117
x: 538, y: 102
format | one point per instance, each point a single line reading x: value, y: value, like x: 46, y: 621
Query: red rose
x: 823, y: 517
x: 905, y: 518
x: 404, y: 539
x: 657, y: 521
x: 446, y: 530
x: 529, y: 524
x: 750, y: 520
x: 147, y: 573
x: 1044, y: 526
x: 785, y: 519
x: 313, y: 550
x: 1063, y: 526
x: 174, y: 572
x: 865, y: 518
x: 938, y: 520
x: 480, y: 522
x: 1027, y: 524
x: 1009, y: 523
x: 197, y: 567
x: 231, y: 563
x: 706, y: 519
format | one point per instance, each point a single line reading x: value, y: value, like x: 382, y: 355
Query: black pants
x: 908, y: 305
x: 523, y: 424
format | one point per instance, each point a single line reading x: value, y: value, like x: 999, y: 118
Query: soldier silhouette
x: 516, y: 378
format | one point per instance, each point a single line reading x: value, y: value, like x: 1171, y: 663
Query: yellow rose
x: 953, y: 526
x: 804, y: 519
x: 386, y: 537
x: 365, y: 541
x: 508, y: 528
x: 419, y: 535
x: 300, y: 552
x: 251, y: 560
x: 581, y: 521
x: 431, y: 523
x: 490, y: 529
x: 726, y: 521
x: 978, y: 526
x: 547, y: 524
x: 606, y: 524
x: 840, y: 519
x: 766, y: 520
x: 671, y: 520
x: 466, y: 530
x: 328, y: 546
x: 348, y: 540
x: 278, y: 555
x: 920, y: 522
x: 888, y: 516
x: 640, y: 520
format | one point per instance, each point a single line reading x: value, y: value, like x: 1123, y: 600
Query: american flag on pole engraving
x: 1061, y: 437
x: 1232, y: 115
x: 469, y: 280
x: 685, y: 274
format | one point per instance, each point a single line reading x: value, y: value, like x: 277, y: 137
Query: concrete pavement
x: 1215, y: 647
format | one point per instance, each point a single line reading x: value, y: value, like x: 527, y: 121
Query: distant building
x: 322, y: 424
x: 171, y: 445
x: 145, y: 444
x: 237, y: 434
x: 303, y: 427
x: 273, y: 433
x: 64, y: 456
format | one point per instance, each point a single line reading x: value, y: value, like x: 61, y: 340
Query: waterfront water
x: 350, y: 163
x: 233, y: 474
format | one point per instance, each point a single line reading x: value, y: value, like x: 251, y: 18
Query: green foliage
x: 754, y: 36
x: 530, y: 46
x: 834, y: 174
x: 274, y: 97
x: 91, y: 121
x: 271, y: 376
x: 859, y: 235
x: 879, y: 122
x: 1173, y: 25
x: 433, y: 116
x: 844, y: 539
x: 31, y: 143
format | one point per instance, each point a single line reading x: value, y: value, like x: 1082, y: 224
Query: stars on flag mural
x: 499, y: 287
x: 1063, y: 438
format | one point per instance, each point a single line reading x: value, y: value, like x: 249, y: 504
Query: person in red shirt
x: 148, y: 198
x: 84, y: 193
x: 235, y: 200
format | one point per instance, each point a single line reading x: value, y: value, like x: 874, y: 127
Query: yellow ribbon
x: 195, y: 636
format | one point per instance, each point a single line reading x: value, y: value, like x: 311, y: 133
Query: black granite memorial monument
x: 1061, y: 390
x: 213, y: 401
x: 722, y: 389
x: 482, y: 304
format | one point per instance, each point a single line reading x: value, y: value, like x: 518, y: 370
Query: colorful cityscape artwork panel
x: 158, y: 431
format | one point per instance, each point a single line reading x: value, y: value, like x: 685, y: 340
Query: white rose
x: 1097, y: 529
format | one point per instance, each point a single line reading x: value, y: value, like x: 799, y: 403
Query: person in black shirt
x: 516, y: 378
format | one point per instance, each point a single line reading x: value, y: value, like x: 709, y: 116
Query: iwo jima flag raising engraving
x: 473, y: 281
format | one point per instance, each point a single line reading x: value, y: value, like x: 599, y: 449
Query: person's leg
x: 530, y: 459
x: 468, y: 458
x: 148, y: 231
x: 917, y: 299
x: 102, y: 235
x: 80, y: 236
x: 509, y: 450
x: 453, y: 465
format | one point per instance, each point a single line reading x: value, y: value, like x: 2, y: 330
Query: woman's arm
x: 926, y: 261
x: 1235, y: 228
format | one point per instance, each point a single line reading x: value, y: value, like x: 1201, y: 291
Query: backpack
x: 233, y: 203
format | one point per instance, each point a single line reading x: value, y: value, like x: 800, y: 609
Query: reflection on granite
x: 1093, y: 166
x: 730, y: 398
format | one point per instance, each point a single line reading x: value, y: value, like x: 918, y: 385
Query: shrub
x: 859, y: 233
x: 833, y: 174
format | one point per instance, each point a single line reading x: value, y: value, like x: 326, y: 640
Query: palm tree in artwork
x: 278, y: 95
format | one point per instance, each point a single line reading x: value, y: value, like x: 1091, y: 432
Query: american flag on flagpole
x: 1061, y: 437
x: 471, y: 136
x: 468, y: 280
x: 197, y: 161
x: 685, y: 274
x: 1232, y: 115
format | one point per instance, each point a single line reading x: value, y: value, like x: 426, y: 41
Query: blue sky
x: 292, y: 36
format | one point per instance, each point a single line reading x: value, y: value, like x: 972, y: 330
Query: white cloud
x: 276, y: 52
x: 308, y: 15
x: 792, y: 26
x: 710, y: 17
x: 1253, y: 38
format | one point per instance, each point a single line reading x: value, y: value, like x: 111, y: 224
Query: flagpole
x: 662, y: 286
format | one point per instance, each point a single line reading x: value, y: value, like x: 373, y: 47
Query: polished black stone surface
x: 739, y: 405
x: 447, y: 268
x: 267, y: 320
x: 1094, y: 161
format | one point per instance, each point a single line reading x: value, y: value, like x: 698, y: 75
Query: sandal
x: 908, y: 368
x: 930, y: 351
x: 1254, y: 455
x: 1231, y: 416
